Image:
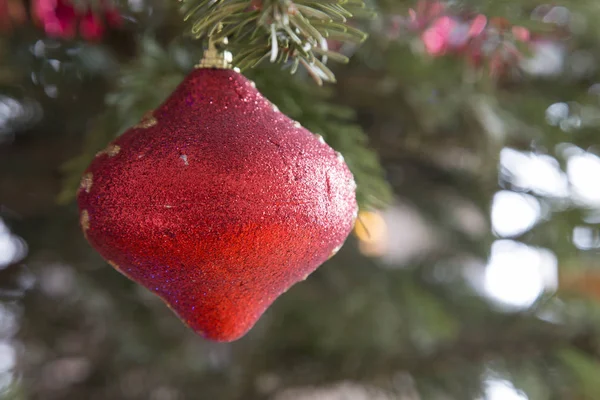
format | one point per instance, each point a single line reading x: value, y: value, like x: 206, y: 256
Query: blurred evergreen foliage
x: 432, y: 136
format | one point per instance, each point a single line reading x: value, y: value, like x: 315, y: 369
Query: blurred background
x: 473, y: 273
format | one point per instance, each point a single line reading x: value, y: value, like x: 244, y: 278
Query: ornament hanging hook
x: 213, y: 57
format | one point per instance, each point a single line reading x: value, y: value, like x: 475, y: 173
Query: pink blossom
x: 477, y: 25
x: 481, y: 40
x: 436, y: 38
x: 521, y: 33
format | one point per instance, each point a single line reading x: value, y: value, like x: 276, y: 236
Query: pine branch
x: 282, y: 31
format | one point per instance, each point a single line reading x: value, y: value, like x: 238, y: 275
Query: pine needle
x: 282, y: 31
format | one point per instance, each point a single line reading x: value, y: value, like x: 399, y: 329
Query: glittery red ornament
x: 217, y: 202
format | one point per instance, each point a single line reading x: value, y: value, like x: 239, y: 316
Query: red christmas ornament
x: 217, y: 202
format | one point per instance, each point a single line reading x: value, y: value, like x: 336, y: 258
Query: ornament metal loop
x: 214, y: 58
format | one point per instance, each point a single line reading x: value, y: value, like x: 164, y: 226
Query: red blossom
x: 61, y: 19
x: 57, y: 17
x: 91, y: 27
x: 113, y: 16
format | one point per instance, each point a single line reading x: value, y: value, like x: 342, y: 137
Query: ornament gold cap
x: 213, y: 58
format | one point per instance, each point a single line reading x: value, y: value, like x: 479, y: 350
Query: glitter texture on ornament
x: 217, y: 202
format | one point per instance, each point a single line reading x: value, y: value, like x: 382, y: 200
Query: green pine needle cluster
x: 281, y: 31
